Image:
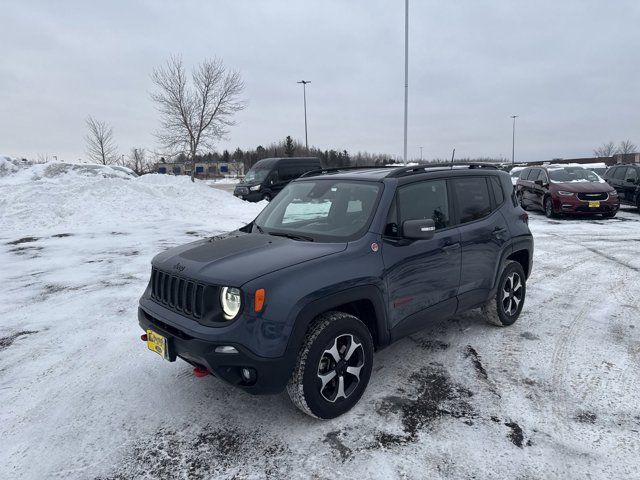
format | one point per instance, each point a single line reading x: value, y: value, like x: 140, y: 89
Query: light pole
x: 304, y: 94
x: 406, y: 73
x: 513, y: 139
x: 420, y: 153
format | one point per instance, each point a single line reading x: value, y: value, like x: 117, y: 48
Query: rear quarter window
x: 498, y: 193
x: 472, y: 198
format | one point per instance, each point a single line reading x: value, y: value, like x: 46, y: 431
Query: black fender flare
x: 312, y: 309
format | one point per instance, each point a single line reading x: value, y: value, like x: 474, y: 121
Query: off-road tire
x: 494, y: 310
x: 304, y: 387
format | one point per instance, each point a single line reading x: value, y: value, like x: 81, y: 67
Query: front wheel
x: 333, y: 366
x: 504, y: 309
x: 548, y: 208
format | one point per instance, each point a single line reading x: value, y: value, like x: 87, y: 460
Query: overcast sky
x: 570, y: 70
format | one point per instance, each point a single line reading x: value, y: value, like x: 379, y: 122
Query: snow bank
x: 36, y: 197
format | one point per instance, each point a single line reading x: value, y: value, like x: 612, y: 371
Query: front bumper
x: 245, y: 194
x: 574, y: 206
x: 272, y: 374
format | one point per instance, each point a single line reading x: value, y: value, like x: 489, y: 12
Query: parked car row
x: 574, y: 190
x: 625, y: 179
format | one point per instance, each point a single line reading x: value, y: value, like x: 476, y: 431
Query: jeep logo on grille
x: 179, y: 267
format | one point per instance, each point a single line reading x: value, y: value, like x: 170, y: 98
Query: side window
x: 632, y: 175
x: 542, y: 176
x: 472, y: 198
x: 619, y: 173
x: 273, y: 178
x: 498, y: 193
x: 424, y: 200
x: 533, y: 174
x: 524, y: 173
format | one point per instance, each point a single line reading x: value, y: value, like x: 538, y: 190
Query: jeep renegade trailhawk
x: 339, y: 264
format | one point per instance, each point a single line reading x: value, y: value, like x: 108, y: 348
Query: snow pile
x: 35, y: 197
x: 7, y: 166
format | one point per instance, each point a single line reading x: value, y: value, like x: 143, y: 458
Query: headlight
x: 613, y: 193
x: 255, y: 188
x: 565, y: 194
x: 230, y: 302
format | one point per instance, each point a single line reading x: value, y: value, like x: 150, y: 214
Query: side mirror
x: 539, y: 183
x: 418, y: 229
x: 631, y: 180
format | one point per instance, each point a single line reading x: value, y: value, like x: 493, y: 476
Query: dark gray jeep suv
x: 341, y: 263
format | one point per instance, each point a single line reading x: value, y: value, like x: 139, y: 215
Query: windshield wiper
x: 292, y: 236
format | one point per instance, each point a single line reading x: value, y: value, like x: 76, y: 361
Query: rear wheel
x: 548, y: 208
x: 333, y: 367
x: 609, y: 214
x: 266, y: 197
x: 504, y: 309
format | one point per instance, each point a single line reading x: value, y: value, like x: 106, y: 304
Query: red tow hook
x: 200, y: 372
x: 143, y: 337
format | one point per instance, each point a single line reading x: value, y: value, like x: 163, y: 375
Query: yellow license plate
x: 594, y: 204
x: 158, y: 344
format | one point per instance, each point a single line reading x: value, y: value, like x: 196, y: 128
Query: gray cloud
x: 570, y: 70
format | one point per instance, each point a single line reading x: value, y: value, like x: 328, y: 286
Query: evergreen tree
x: 289, y: 147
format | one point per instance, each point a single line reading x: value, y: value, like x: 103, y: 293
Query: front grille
x: 242, y: 191
x: 587, y: 197
x: 178, y: 294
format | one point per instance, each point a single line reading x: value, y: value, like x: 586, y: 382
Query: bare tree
x: 627, y: 146
x: 606, y: 150
x: 138, y: 161
x: 101, y: 147
x: 194, y: 114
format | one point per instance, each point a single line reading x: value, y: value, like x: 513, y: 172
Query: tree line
x: 610, y: 149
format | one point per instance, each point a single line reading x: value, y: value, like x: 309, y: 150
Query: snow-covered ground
x: 554, y: 396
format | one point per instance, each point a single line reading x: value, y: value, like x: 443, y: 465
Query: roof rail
x: 416, y: 169
x: 323, y: 171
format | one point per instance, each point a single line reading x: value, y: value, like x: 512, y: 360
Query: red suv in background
x: 559, y: 189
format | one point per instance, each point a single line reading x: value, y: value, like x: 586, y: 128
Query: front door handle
x: 450, y: 248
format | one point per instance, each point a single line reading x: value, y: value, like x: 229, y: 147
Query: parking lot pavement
x: 553, y: 396
x: 225, y: 187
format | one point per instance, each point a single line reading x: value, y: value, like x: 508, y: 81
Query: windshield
x: 573, y: 174
x: 321, y: 210
x: 256, y: 175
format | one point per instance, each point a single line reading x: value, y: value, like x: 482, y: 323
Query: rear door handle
x: 450, y: 248
x: 498, y: 231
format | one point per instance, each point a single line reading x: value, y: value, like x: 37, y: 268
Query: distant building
x: 204, y: 170
x: 616, y: 159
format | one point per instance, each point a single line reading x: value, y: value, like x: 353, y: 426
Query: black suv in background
x: 626, y: 180
x: 270, y: 175
x: 338, y: 265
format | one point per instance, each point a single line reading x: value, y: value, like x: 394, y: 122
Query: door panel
x: 629, y: 188
x: 482, y: 238
x: 420, y: 275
